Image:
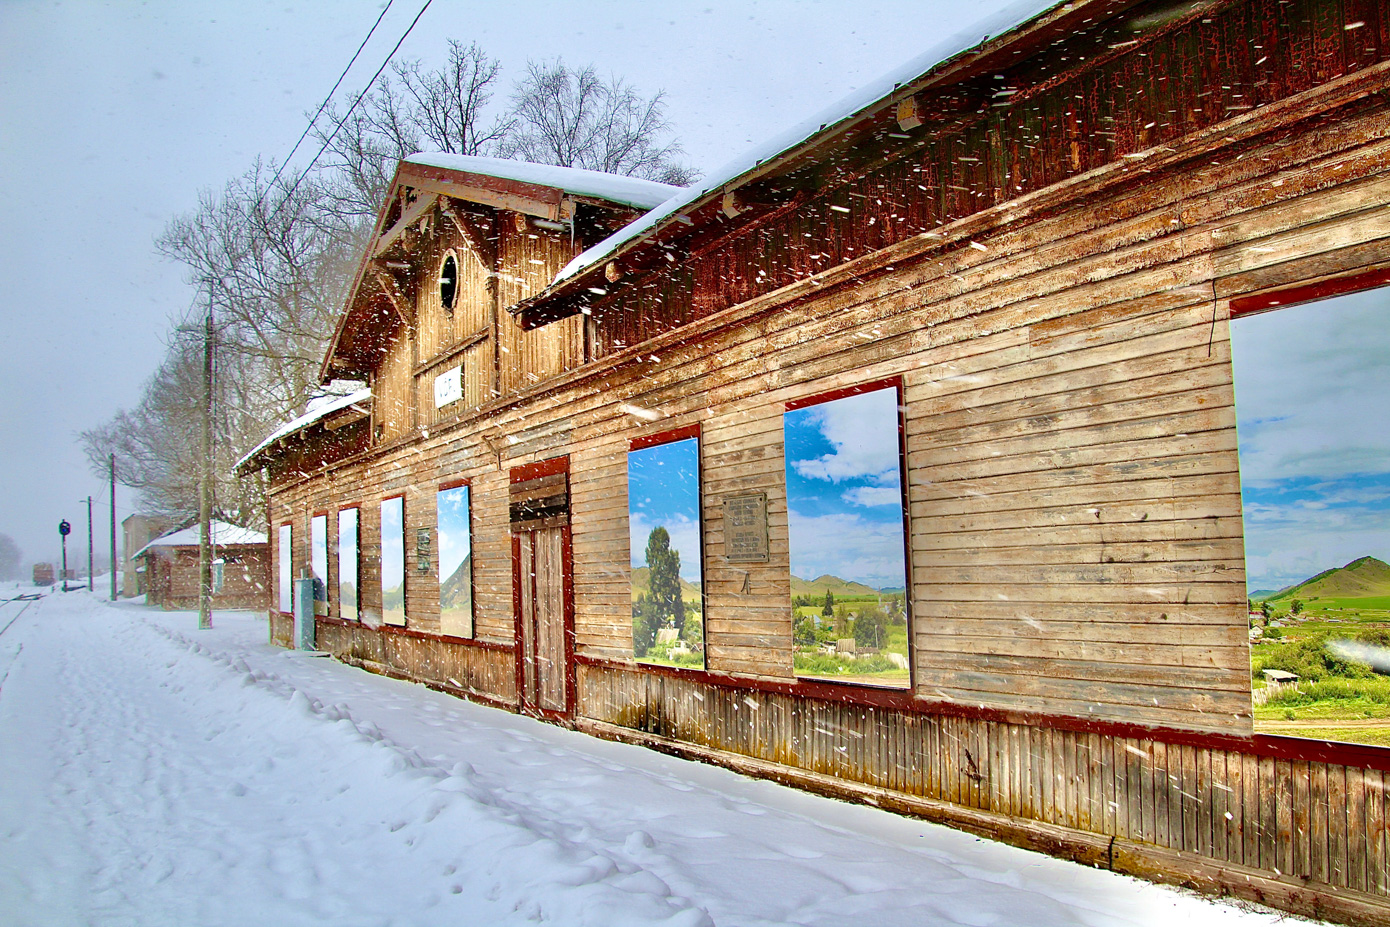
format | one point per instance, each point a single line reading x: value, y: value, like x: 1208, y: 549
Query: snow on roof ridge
x: 627, y: 191
x: 315, y: 412
x: 997, y: 23
x: 223, y: 535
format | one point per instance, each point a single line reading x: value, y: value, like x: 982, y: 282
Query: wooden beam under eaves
x: 392, y: 292
x: 411, y: 215
x: 470, y: 230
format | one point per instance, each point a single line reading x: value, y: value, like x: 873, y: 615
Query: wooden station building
x: 1036, y: 243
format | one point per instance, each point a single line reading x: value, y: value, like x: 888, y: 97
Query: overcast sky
x: 113, y: 116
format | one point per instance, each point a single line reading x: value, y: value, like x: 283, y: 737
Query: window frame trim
x: 444, y: 487
x: 845, y: 392
x: 659, y: 439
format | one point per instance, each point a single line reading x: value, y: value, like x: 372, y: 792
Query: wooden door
x: 543, y: 587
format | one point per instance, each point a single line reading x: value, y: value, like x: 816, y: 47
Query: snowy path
x: 153, y: 774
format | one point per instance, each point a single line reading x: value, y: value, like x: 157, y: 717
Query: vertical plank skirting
x: 468, y: 670
x: 1305, y: 835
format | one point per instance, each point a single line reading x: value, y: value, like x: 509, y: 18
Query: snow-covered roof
x: 627, y: 191
x: 319, y: 407
x: 223, y: 535
x: 1010, y: 17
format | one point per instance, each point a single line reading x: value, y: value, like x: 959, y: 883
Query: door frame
x: 522, y: 520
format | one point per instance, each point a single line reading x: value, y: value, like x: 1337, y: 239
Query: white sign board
x: 448, y: 387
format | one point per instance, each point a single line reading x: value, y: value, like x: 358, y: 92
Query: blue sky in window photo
x: 1312, y: 389
x: 455, y: 541
x: 663, y: 489
x: 844, y: 490
x: 392, y: 543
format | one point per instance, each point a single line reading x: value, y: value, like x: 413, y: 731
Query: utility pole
x: 112, y: 473
x: 91, y: 561
x: 205, y: 485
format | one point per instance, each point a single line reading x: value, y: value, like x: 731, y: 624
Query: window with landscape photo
x: 663, y: 491
x: 1311, y: 388
x: 347, y: 564
x: 848, y: 556
x: 455, y: 562
x: 393, y: 561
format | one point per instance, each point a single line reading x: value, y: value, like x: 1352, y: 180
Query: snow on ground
x: 154, y: 774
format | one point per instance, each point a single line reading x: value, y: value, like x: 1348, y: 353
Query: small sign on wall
x: 448, y: 387
x: 422, y: 549
x: 745, y: 528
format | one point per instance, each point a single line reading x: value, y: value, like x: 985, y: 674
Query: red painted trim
x: 567, y: 593
x: 1308, y: 292
x: 665, y: 437
x: 519, y: 647
x: 535, y: 471
x: 454, y: 484
x: 794, y: 404
x: 1270, y: 745
x: 422, y: 635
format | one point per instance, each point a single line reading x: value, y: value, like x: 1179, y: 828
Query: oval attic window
x: 449, y: 283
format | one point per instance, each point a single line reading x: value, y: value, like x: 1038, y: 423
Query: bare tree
x: 10, y: 556
x: 158, y: 447
x: 275, y: 266
x: 409, y: 111
x: 274, y: 255
x: 570, y: 117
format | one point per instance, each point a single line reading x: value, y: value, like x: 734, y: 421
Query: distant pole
x: 205, y: 485
x: 112, y: 474
x: 91, y: 560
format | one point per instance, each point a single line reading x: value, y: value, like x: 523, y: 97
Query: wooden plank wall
x: 488, y: 674
x: 1291, y: 821
x: 530, y: 258
x: 440, y: 332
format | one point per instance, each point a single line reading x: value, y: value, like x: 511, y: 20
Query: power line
x: 339, y: 125
x: 326, y: 99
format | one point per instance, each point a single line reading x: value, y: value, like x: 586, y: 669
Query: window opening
x: 1313, y: 429
x: 448, y: 283
x: 285, y: 555
x: 666, y: 552
x: 348, y: 560
x: 455, y: 528
x: 393, y: 561
x: 847, y: 540
x: 318, y: 561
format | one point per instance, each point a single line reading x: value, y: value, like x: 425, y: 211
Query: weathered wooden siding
x: 461, y: 338
x: 393, y: 387
x: 531, y: 258
x: 1281, y: 828
x: 486, y: 673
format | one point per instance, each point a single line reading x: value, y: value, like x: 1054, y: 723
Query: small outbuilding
x: 240, y: 572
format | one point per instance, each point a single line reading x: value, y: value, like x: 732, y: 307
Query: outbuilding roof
x: 223, y: 535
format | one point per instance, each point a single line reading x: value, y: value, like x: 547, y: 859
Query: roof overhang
x: 744, y: 191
